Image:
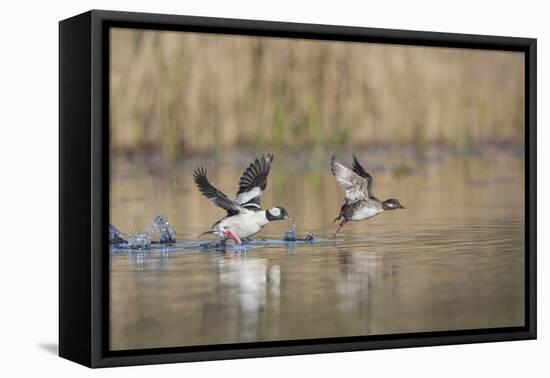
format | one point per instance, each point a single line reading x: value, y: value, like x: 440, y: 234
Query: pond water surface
x: 454, y: 259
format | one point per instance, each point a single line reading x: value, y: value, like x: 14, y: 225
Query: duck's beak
x: 402, y: 207
x: 287, y: 217
x: 230, y: 234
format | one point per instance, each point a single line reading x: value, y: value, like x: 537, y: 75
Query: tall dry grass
x: 181, y: 93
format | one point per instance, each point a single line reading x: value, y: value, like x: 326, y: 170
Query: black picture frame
x: 84, y: 187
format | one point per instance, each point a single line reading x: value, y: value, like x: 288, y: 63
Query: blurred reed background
x: 179, y: 94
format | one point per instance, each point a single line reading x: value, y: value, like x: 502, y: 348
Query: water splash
x: 140, y: 240
x: 116, y: 236
x: 213, y: 245
x: 161, y: 236
x: 292, y: 236
x: 163, y: 231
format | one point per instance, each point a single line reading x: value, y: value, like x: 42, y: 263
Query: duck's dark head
x: 392, y: 204
x: 277, y: 213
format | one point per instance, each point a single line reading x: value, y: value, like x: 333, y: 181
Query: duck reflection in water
x: 245, y: 288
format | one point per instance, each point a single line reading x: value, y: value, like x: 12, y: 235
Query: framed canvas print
x: 234, y: 188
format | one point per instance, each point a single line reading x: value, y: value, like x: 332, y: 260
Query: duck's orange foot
x: 232, y: 235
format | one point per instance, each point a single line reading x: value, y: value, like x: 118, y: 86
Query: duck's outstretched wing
x: 355, y: 186
x: 359, y: 170
x: 254, y: 181
x: 215, y: 195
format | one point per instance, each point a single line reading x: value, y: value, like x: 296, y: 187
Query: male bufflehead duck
x: 360, y: 201
x: 244, y: 217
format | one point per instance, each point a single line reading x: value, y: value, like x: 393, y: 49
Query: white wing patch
x: 244, y: 197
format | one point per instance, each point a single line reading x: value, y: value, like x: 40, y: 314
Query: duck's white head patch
x: 275, y: 211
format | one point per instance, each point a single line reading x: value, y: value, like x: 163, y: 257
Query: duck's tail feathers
x: 205, y: 233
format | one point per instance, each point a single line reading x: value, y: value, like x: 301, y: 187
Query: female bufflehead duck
x: 360, y: 201
x: 244, y: 217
